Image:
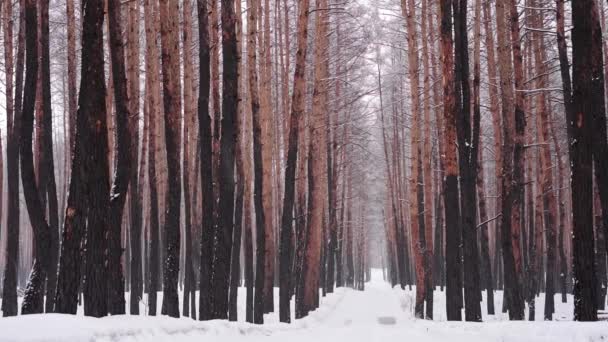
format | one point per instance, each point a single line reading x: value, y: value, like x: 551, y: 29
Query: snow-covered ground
x: 377, y: 314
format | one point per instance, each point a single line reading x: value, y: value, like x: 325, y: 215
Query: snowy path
x: 377, y: 314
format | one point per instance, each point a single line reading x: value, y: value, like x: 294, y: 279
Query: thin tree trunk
x: 251, y: 85
x: 296, y: 129
x: 318, y: 149
x: 510, y: 196
x: 427, y: 171
x: 235, y: 263
x: 266, y: 113
x: 125, y: 123
x: 154, y: 119
x: 224, y: 231
x: 258, y: 309
x: 206, y: 163
x: 33, y: 301
x: 548, y: 198
x: 563, y: 264
x: 409, y: 12
x: 187, y: 175
x: 467, y: 128
x: 9, y: 283
x: 46, y: 181
x: 452, y: 214
x: 135, y: 231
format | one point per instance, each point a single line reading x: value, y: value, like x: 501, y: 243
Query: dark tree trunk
x: 237, y: 237
x: 439, y: 260
x: 248, y: 254
x: 96, y: 170
x: 258, y: 309
x: 350, y: 262
x: 340, y: 245
x: 135, y: 194
x: 332, y: 245
x: 87, y: 204
x: 467, y: 147
x: 204, y: 122
x: 9, y: 283
x: 587, y: 104
x: 123, y: 161
x: 172, y: 110
x: 152, y: 111
x: 247, y: 161
x: 224, y: 230
x: 189, y: 279
x: 563, y: 263
x: 153, y: 277
x: 135, y: 228
x: 33, y: 301
x: 600, y: 136
x: 600, y: 264
x: 286, y: 247
x: 452, y: 214
x: 47, y: 184
x: 235, y: 264
x: 564, y: 65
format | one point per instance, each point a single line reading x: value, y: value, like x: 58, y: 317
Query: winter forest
x: 359, y: 169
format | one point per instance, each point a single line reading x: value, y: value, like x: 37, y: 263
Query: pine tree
x: 172, y: 109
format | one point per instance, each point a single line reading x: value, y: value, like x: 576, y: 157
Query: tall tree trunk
x: 33, y: 301
x: 248, y: 164
x: 169, y: 12
x: 87, y: 205
x: 409, y: 12
x: 258, y: 309
x: 187, y: 174
x: 154, y: 119
x: 564, y: 65
x: 135, y: 201
x: 483, y: 216
x: 235, y: 259
x: 519, y: 125
x: 510, y: 197
x: 452, y: 213
x: 318, y: 148
x: 548, y: 198
x: 9, y: 285
x: 563, y: 263
x: 600, y: 136
x: 225, y: 227
x: 47, y: 185
x: 497, y: 127
x: 296, y: 123
x: 427, y: 171
x: 206, y: 163
x: 588, y: 104
x: 125, y: 123
x: 266, y: 113
x: 467, y: 127
x: 96, y: 164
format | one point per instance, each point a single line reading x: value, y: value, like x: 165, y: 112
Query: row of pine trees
x: 200, y: 151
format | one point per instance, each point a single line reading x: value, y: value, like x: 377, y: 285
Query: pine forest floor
x: 379, y: 313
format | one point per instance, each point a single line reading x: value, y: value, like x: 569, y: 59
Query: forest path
x: 378, y: 314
